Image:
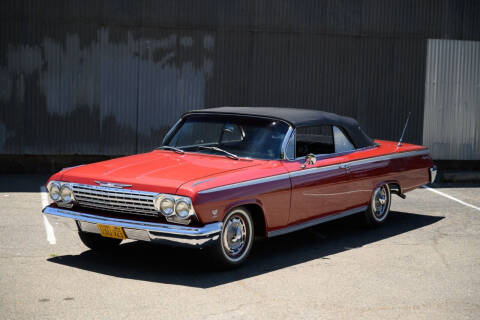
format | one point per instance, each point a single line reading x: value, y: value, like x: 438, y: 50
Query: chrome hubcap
x: 380, y: 202
x: 234, y: 235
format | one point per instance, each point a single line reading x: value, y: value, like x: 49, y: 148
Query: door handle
x: 344, y: 166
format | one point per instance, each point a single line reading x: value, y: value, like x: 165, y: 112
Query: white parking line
x: 452, y: 198
x: 48, y: 227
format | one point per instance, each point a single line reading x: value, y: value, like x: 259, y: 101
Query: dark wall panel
x: 109, y: 77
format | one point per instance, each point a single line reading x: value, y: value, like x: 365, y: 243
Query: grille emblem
x: 112, y: 184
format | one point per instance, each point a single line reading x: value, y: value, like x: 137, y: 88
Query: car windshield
x: 240, y: 136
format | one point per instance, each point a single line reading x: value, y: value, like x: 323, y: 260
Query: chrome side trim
x: 315, y: 170
x: 389, y: 157
x: 247, y: 183
x: 139, y: 230
x: 314, y: 222
x: 359, y: 162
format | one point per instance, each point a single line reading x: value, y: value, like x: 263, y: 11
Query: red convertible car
x: 225, y: 175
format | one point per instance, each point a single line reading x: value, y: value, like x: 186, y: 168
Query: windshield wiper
x: 177, y: 150
x: 230, y: 155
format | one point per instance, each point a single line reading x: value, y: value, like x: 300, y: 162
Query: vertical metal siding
x: 452, y: 100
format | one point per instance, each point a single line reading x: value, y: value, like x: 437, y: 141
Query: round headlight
x: 54, y: 191
x: 182, y: 208
x: 66, y: 193
x: 167, y: 206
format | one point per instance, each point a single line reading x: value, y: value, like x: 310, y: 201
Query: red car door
x: 321, y: 188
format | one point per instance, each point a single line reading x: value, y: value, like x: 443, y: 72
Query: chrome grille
x: 113, y: 199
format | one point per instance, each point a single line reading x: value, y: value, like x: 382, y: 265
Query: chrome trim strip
x: 315, y: 169
x: 157, y: 232
x: 202, y: 181
x: 246, y: 183
x: 349, y: 164
x: 112, y: 184
x: 389, y: 157
x: 314, y: 222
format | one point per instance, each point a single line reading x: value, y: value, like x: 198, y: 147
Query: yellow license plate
x: 111, y: 231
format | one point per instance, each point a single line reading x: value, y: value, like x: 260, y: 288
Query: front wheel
x: 236, y: 238
x: 379, y: 206
x: 97, y: 242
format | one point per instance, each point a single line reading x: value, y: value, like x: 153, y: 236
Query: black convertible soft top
x: 297, y: 117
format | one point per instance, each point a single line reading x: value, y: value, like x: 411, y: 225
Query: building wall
x: 109, y: 77
x: 452, y: 100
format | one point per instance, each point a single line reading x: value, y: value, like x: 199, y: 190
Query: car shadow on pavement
x: 146, y: 262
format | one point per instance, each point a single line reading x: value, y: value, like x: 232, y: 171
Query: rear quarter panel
x: 406, y: 166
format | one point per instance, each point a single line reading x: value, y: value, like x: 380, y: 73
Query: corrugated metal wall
x: 452, y: 100
x: 109, y: 77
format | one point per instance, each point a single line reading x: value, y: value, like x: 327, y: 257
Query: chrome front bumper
x: 433, y: 173
x: 176, y: 235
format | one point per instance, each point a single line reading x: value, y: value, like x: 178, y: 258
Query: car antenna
x: 404, y: 128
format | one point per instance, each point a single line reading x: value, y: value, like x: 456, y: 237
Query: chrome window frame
x: 286, y: 139
x: 292, y: 132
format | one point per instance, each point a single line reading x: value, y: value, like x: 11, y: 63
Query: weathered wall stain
x: 100, y: 98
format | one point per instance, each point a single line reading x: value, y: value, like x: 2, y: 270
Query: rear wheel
x: 379, y: 206
x: 97, y: 242
x: 236, y: 239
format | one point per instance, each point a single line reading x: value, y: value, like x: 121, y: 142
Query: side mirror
x: 310, y: 159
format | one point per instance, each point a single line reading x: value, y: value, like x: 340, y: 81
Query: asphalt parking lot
x: 423, y: 264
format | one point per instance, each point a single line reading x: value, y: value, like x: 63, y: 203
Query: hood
x: 156, y: 171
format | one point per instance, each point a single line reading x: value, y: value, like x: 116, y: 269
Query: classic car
x: 226, y: 175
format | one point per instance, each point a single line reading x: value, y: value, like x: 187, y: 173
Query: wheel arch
x: 258, y: 215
